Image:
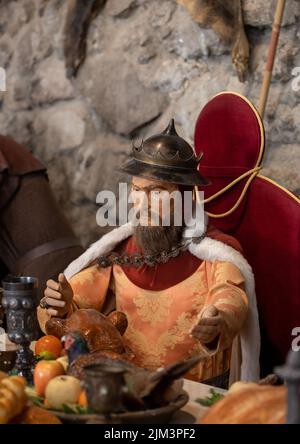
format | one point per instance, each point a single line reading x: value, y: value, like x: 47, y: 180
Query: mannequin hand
x: 209, y: 326
x: 58, y: 296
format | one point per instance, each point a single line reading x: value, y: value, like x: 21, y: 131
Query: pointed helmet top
x: 171, y: 130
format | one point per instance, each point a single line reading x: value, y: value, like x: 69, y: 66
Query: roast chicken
x: 93, y: 337
x: 100, y: 332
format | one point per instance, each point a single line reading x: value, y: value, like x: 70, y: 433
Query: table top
x: 193, y: 411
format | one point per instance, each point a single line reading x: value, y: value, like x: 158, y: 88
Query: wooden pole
x: 271, y: 57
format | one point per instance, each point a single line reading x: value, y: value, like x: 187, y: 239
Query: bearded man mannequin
x: 184, y: 291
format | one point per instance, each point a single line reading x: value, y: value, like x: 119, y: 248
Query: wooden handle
x: 271, y: 57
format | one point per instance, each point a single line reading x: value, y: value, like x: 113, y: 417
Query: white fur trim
x: 208, y: 250
x: 109, y: 241
x: 103, y: 246
x: 212, y: 250
x: 197, y: 228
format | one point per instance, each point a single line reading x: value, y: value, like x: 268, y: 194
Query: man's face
x: 150, y: 188
x: 153, y: 238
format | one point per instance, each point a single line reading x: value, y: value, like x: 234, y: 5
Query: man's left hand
x: 209, y: 326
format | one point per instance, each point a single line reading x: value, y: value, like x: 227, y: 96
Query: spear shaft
x: 271, y: 57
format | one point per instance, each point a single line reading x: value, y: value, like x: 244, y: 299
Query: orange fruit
x: 48, y: 345
x: 82, y: 400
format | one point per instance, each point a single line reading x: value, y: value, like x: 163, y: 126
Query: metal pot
x: 105, y: 387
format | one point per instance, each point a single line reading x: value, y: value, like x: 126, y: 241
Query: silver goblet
x: 20, y: 300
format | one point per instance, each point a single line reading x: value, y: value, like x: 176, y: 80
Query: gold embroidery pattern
x: 139, y: 344
x: 153, y: 307
x: 159, y: 322
x: 154, y: 354
x: 224, y: 271
x: 87, y: 276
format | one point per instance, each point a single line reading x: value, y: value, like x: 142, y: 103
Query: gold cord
x: 252, y: 173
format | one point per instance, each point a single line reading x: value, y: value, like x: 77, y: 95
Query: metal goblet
x: 20, y: 300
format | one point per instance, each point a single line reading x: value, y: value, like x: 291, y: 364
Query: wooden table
x: 192, y: 411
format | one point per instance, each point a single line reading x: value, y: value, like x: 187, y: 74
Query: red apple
x: 44, y: 372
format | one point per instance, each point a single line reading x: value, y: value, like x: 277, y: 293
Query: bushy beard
x: 155, y: 240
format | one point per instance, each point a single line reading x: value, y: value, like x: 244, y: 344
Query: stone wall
x: 147, y: 61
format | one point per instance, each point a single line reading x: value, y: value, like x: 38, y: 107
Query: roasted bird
x: 89, y: 336
x: 100, y: 332
x: 80, y: 356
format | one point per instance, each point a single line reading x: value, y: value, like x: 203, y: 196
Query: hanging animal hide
x: 225, y: 17
x: 79, y: 16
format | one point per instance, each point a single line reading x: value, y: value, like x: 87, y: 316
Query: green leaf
x: 75, y: 409
x: 68, y: 409
x: 81, y: 410
x: 211, y: 399
x: 33, y: 397
x: 46, y: 355
x: 37, y: 400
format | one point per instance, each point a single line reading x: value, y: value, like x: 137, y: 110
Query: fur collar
x: 109, y: 241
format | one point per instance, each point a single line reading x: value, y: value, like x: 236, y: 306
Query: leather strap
x: 42, y: 250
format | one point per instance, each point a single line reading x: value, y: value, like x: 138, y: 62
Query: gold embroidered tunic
x: 160, y: 321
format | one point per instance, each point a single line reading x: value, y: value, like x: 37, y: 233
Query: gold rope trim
x: 276, y: 184
x: 253, y: 172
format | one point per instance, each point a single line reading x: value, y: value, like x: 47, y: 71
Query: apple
x: 44, y: 372
x: 63, y: 360
x: 63, y: 390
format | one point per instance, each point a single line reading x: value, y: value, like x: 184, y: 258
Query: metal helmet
x: 165, y: 157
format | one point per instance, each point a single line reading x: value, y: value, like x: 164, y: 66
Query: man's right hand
x: 58, y: 296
